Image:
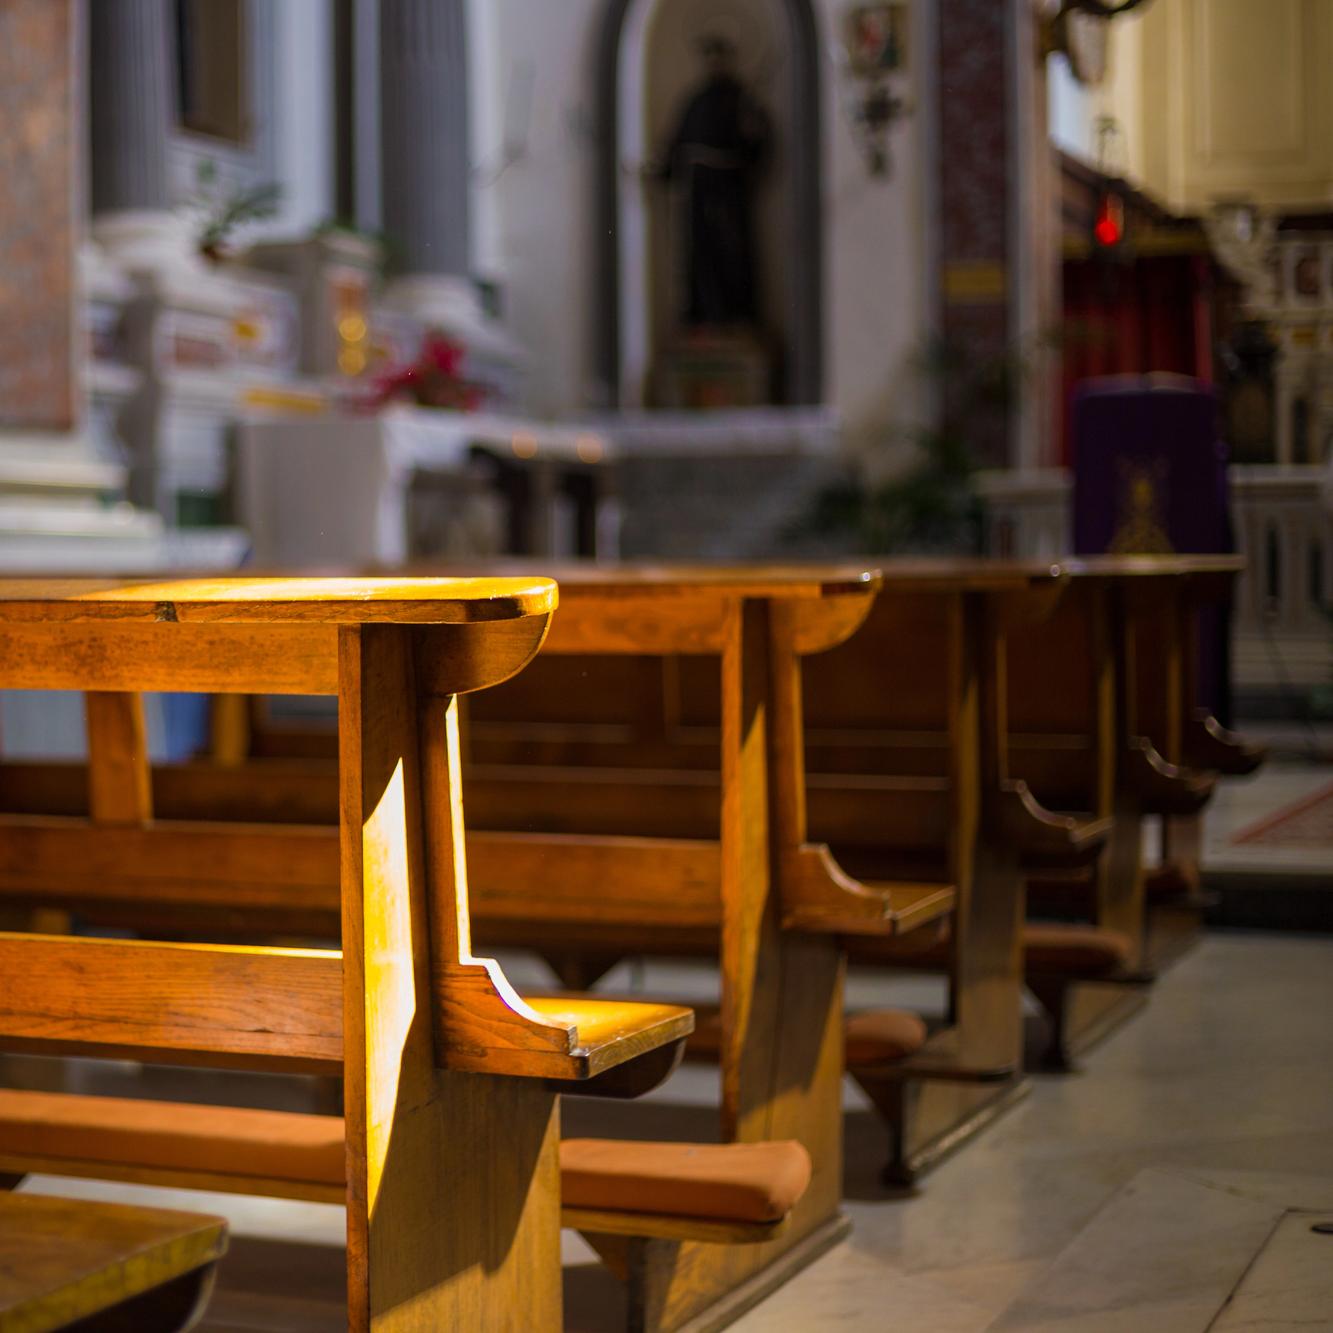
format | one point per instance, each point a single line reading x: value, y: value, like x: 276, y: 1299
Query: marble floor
x: 1215, y: 1105
x: 1240, y: 803
x: 1300, y: 764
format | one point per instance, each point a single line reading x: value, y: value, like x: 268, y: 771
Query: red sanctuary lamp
x: 1108, y: 228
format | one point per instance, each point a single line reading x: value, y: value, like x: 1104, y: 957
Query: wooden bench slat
x: 201, y: 658
x: 179, y: 1003
x: 73, y: 1259
x: 213, y: 863
x: 515, y: 876
x: 279, y: 1008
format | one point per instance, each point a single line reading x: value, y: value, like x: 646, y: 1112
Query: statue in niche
x: 716, y: 157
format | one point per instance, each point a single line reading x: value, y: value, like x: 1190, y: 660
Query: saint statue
x: 715, y: 157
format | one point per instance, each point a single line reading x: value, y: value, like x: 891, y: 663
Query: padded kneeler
x: 212, y: 1146
x: 1086, y: 952
x: 736, y: 1182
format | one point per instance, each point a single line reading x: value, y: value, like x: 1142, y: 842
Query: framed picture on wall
x: 877, y: 39
x: 1302, y: 275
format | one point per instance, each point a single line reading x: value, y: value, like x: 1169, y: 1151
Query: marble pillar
x: 424, y: 155
x: 999, y: 270
x: 131, y: 108
x: 425, y: 162
x: 426, y: 174
x: 130, y: 97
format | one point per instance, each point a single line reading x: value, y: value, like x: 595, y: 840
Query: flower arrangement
x: 435, y: 379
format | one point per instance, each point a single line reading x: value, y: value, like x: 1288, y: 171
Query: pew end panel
x: 434, y: 1035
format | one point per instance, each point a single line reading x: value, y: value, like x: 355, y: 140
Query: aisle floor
x: 1230, y: 1069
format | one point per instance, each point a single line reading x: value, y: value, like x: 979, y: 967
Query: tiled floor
x: 1241, y: 803
x: 1229, y: 1069
x: 1300, y: 762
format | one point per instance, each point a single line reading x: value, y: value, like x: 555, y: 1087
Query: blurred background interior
x: 344, y: 283
x: 349, y: 284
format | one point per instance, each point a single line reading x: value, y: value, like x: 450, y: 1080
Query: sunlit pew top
x: 683, y: 579
x: 330, y: 601
x: 1151, y: 566
x: 981, y: 571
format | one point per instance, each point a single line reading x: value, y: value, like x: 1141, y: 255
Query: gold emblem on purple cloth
x: 1140, y: 527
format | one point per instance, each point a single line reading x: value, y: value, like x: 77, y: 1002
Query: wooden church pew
x: 198, y: 874
x: 921, y: 696
x: 1109, y: 705
x: 1166, y: 623
x: 449, y: 1075
x: 1085, y: 735
x: 708, y: 834
x: 640, y: 734
x: 1167, y: 752
x: 641, y: 788
x: 1070, y: 732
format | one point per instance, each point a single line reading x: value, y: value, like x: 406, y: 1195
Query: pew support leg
x: 644, y: 1265
x: 893, y: 1097
x: 665, y: 1279
x: 579, y: 971
x: 1053, y: 994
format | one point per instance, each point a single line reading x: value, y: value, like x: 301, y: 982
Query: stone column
x: 131, y: 109
x: 425, y: 161
x: 996, y: 191
x: 130, y: 101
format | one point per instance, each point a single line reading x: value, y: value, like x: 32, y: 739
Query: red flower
x: 442, y: 353
x: 434, y: 380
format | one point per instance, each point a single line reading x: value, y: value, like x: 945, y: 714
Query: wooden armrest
x: 611, y: 1033
x: 1042, y: 836
x: 1209, y: 745
x: 913, y: 905
x: 819, y: 897
x: 1162, y: 787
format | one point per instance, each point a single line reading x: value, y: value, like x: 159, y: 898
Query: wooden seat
x: 732, y: 1193
x: 68, y: 1262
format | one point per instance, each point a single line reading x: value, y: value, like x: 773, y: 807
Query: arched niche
x: 623, y: 225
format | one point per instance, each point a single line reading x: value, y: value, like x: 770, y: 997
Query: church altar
x: 413, y: 482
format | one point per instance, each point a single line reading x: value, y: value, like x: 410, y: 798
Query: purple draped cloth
x: 1150, y: 477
